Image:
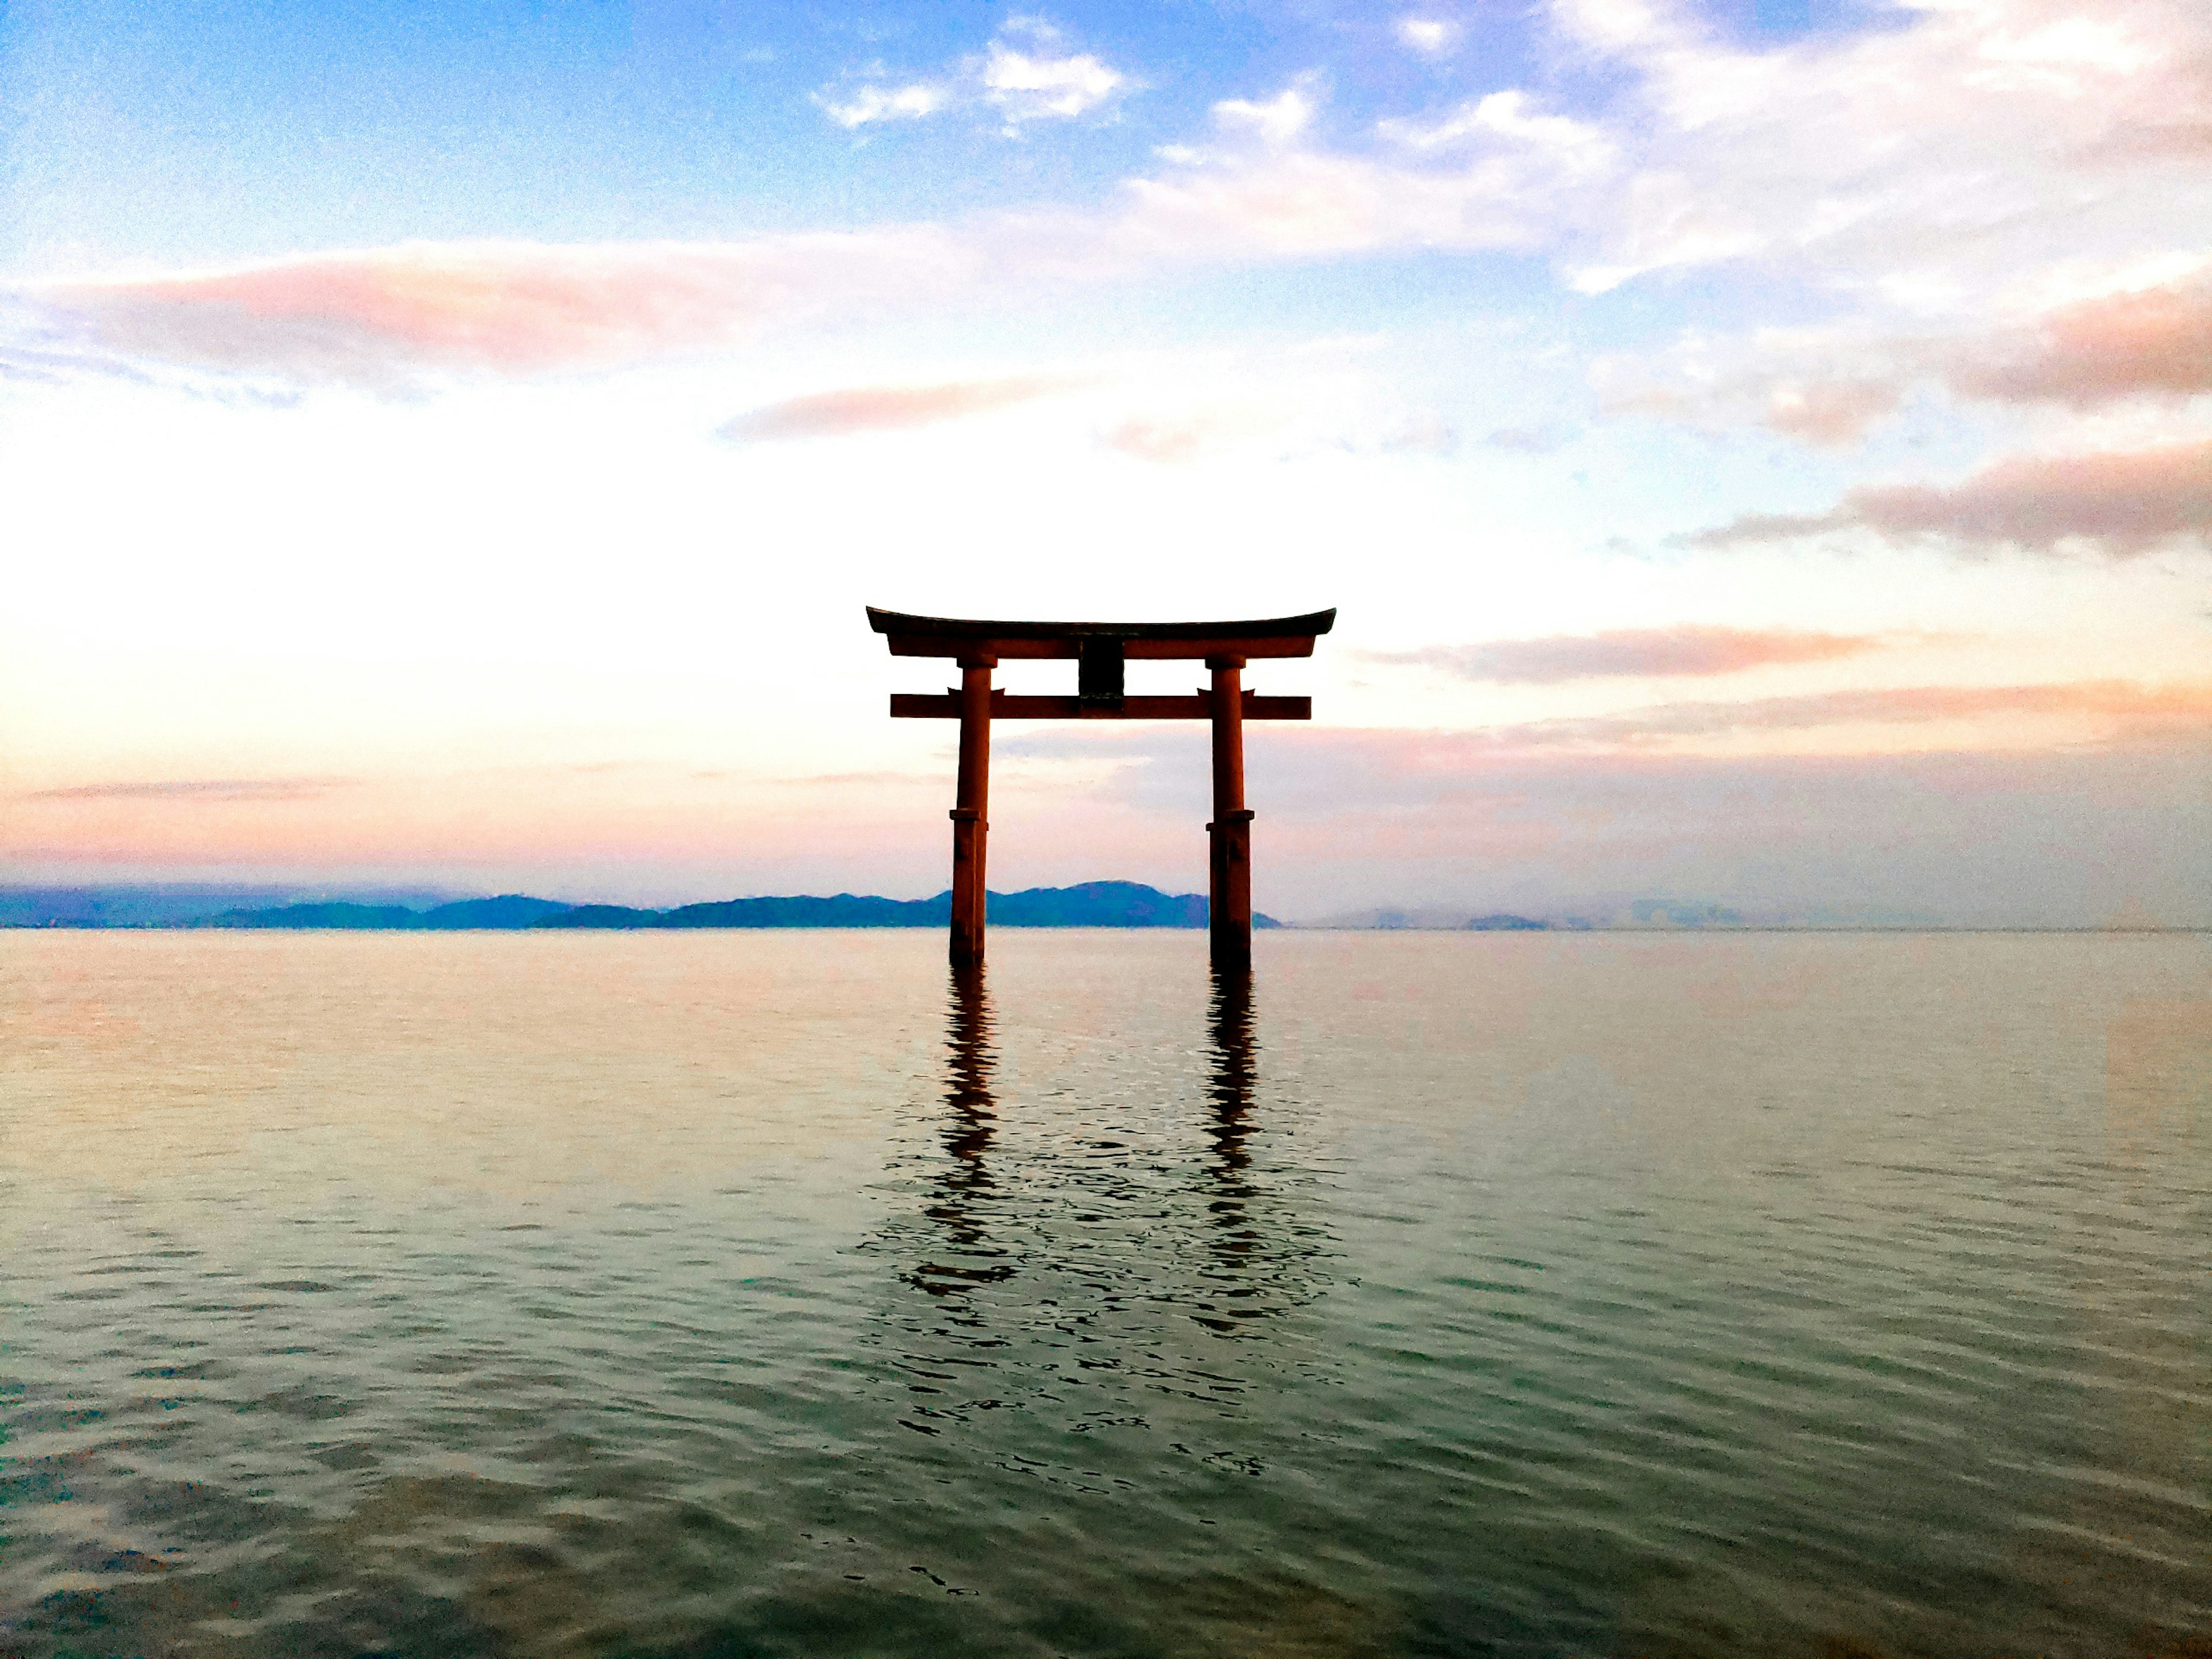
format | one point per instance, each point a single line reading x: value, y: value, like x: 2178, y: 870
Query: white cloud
x: 2144, y: 347
x: 1433, y: 37
x: 1278, y: 122
x: 1026, y: 74
x: 1035, y: 86
x: 907, y: 103
x: 1579, y: 147
x: 1922, y: 164
x: 1276, y: 417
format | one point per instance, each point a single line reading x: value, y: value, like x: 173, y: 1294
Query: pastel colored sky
x: 1761, y: 450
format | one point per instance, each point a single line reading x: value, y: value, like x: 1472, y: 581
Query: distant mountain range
x: 1090, y: 904
x: 179, y: 904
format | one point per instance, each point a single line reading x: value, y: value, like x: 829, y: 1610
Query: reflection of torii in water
x: 1229, y: 1016
x: 1211, y: 1241
x: 965, y: 1186
x: 969, y: 1060
x: 1234, y: 1071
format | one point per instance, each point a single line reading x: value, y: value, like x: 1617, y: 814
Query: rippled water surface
x: 753, y: 1293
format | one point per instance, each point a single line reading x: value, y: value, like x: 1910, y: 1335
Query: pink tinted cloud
x: 1830, y: 412
x: 1177, y: 437
x: 886, y: 408
x: 2120, y: 707
x: 2156, y: 341
x: 1827, y: 388
x: 2118, y: 504
x: 376, y: 316
x: 386, y: 317
x: 1637, y: 652
x: 1176, y: 440
x: 1385, y: 765
x: 198, y: 789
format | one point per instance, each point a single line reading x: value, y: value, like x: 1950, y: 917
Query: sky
x: 1760, y: 451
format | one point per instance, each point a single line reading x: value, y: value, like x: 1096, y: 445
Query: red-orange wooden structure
x: 1101, y: 650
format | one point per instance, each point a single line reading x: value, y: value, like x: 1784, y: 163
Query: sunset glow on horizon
x: 1761, y: 453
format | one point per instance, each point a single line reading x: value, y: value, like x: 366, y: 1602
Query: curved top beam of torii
x: 958, y: 636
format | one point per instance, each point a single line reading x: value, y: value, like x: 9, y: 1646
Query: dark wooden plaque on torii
x: 1100, y: 650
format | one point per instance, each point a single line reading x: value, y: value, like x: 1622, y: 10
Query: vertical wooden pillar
x: 1228, y: 888
x: 971, y: 826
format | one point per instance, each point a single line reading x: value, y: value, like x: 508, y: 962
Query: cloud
x: 886, y: 408
x: 1276, y: 122
x: 2115, y: 504
x: 1999, y: 192
x: 1035, y: 80
x: 1828, y: 386
x: 1432, y: 37
x: 1830, y: 412
x: 1265, y: 192
x: 385, y: 318
x: 1652, y: 652
x: 200, y: 789
x: 2154, y: 341
x: 878, y: 103
x: 1285, y: 425
x: 1817, y: 387
x: 1929, y: 163
x: 1871, y: 719
x: 1025, y: 86
x: 1579, y: 148
x: 1177, y: 440
x: 1528, y: 440
x: 1417, y: 432
x: 2121, y: 708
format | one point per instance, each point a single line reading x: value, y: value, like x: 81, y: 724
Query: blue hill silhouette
x: 1088, y: 904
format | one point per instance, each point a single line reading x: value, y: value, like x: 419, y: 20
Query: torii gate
x: 1100, y: 649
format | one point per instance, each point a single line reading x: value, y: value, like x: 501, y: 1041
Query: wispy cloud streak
x: 2119, y: 705
x: 1645, y: 652
x: 886, y: 408
x: 385, y: 317
x: 2118, y: 504
x: 1828, y: 386
x: 199, y: 789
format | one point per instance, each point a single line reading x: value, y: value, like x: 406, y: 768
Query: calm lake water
x: 744, y: 1294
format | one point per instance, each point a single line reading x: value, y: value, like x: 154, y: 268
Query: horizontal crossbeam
x: 1005, y: 706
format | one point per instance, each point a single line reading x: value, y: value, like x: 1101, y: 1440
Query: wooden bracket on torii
x: 1101, y: 650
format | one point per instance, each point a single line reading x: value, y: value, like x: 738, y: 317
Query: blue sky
x: 381, y: 393
x: 211, y: 132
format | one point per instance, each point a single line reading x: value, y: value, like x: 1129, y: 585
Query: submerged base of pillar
x: 969, y: 834
x: 1229, y: 888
